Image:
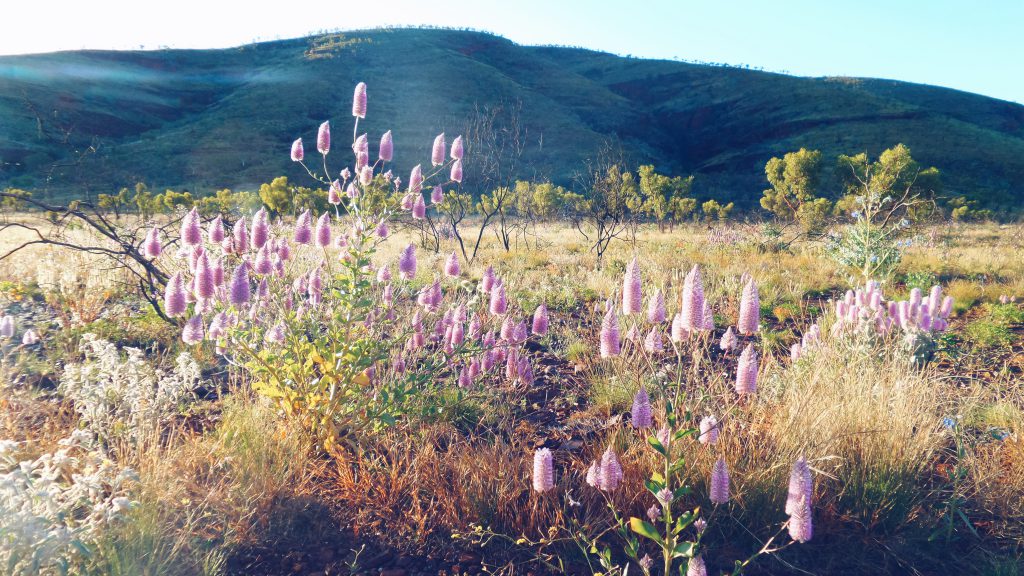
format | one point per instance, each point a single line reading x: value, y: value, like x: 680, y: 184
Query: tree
x: 794, y: 180
x: 665, y: 199
x: 712, y: 209
x: 610, y: 193
x: 895, y: 181
x: 494, y: 141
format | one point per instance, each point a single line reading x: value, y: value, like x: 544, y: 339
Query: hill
x: 83, y: 122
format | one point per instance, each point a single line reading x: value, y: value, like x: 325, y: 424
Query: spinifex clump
x: 324, y: 329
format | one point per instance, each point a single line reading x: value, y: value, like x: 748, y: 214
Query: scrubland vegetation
x: 380, y: 375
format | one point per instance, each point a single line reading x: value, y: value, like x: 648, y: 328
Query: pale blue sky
x: 975, y: 46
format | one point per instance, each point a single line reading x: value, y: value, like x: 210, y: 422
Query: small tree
x: 665, y: 199
x: 795, y: 179
x: 713, y: 210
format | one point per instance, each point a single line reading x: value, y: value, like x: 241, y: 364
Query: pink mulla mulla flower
x: 151, y: 247
x: 217, y: 271
x: 240, y: 236
x: 217, y: 326
x: 456, y: 174
x: 382, y: 230
x: 664, y: 435
x: 260, y: 229
x: 407, y: 262
x: 499, y: 304
x: 437, y: 152
x: 652, y: 342
x: 458, y: 334
x: 474, y: 368
x: 540, y: 320
x: 362, y: 161
x: 7, y: 327
x: 362, y: 146
x: 611, y: 471
x: 416, y: 180
x: 174, y: 296
x: 719, y: 486
x: 323, y: 138
x: 304, y: 228
x: 351, y: 191
x: 520, y: 333
x: 323, y: 230
x: 436, y: 195
x: 457, y: 149
x: 475, y: 327
x: 191, y: 233
x: 465, y: 381
x: 30, y: 337
x: 632, y: 301
x: 801, y: 485
x: 801, y: 522
x: 641, y: 411
x: 746, y: 371
x: 947, y: 307
x: 216, y: 233
x: 284, y: 251
x: 693, y: 300
x: 594, y: 473
x: 419, y: 208
x: 543, y: 470
x: 275, y: 335
x: 795, y: 351
x: 193, y: 257
x: 729, y: 341
x: 709, y: 430
x: 366, y: 175
x: 507, y: 326
x: 656, y: 308
x: 524, y: 371
x: 750, y: 310
x: 610, y: 342
x: 205, y: 285
x: 696, y: 567
x: 709, y: 318
x: 512, y: 364
x: 192, y: 332
x: 633, y: 334
x: 297, y: 153
x: 679, y: 331
x: 451, y: 266
x: 387, y: 147
x: 487, y: 282
x: 407, y: 201
x: 654, y: 512
x: 240, y: 292
x: 263, y: 264
x: 359, y: 101
x: 384, y: 274
x: 388, y: 296
x: 334, y: 193
x: 424, y: 298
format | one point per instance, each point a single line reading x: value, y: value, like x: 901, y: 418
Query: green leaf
x: 656, y: 444
x: 683, y: 550
x: 653, y: 486
x: 645, y: 529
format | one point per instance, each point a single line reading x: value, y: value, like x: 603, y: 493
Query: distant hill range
x: 76, y: 123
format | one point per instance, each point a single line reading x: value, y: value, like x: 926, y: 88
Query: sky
x: 977, y: 46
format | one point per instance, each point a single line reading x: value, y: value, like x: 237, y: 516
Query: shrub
x: 55, y: 507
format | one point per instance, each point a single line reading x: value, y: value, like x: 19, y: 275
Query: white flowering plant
x: 55, y: 507
x: 125, y: 397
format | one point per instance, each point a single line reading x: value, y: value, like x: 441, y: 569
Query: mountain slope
x: 92, y: 121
